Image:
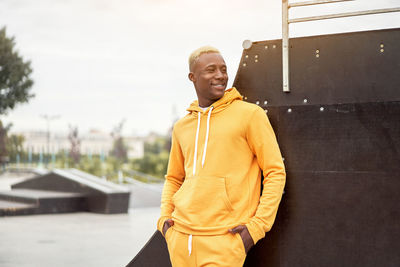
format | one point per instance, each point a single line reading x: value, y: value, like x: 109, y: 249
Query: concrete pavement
x: 75, y: 239
x: 78, y: 239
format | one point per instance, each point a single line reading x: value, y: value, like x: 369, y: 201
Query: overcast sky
x: 96, y: 62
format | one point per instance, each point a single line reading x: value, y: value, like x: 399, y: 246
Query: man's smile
x: 218, y: 85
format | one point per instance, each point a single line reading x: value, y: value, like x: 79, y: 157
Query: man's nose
x: 219, y: 74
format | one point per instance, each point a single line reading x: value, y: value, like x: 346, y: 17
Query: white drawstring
x: 197, y: 139
x: 205, y: 144
x: 190, y: 244
x: 195, y: 146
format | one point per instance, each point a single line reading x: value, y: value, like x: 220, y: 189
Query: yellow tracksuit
x: 213, y: 181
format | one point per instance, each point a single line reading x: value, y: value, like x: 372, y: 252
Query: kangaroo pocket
x: 202, y: 202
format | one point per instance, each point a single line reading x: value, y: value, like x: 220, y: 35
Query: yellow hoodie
x: 213, y: 180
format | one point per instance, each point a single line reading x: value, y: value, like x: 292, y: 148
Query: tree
x: 155, y: 159
x: 92, y: 166
x: 15, y: 81
x: 119, y: 150
x: 75, y: 141
x: 14, y: 146
x: 4, y: 158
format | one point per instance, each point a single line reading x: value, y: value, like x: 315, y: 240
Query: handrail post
x: 285, y: 45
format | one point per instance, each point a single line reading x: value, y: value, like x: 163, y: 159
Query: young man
x: 211, y: 209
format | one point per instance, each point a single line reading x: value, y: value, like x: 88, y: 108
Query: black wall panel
x: 339, y: 132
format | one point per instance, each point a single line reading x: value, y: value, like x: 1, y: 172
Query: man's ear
x: 191, y: 76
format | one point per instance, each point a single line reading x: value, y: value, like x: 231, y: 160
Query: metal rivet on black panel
x: 266, y: 110
x: 266, y: 47
x: 265, y: 102
x: 305, y: 100
x: 244, y: 64
x: 274, y: 46
x: 382, y: 50
x: 247, y: 56
x: 289, y: 110
x: 321, y: 109
x: 256, y: 60
x: 257, y: 102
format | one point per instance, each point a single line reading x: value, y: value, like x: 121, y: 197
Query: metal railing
x: 286, y: 21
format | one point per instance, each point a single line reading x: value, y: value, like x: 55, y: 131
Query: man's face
x: 209, y: 77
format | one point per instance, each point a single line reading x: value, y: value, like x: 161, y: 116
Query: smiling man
x: 211, y: 209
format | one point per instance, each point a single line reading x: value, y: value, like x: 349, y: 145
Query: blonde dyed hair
x: 194, y: 56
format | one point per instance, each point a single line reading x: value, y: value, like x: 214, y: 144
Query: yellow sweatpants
x: 208, y: 251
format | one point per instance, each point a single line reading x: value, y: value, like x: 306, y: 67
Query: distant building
x: 135, y: 147
x: 92, y: 143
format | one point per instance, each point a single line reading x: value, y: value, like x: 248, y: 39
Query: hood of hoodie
x: 230, y: 95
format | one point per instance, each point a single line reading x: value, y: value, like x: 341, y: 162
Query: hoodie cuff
x: 160, y: 223
x: 255, y: 231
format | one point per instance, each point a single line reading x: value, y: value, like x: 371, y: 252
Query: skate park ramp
x: 61, y: 191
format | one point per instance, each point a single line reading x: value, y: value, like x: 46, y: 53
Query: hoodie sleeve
x: 173, y: 181
x: 262, y: 141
